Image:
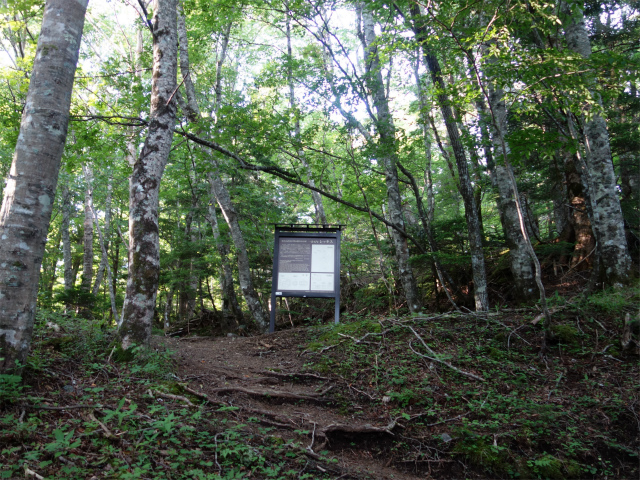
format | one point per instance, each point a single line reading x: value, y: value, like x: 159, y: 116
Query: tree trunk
x: 103, y: 248
x: 223, y: 55
x: 466, y: 190
x: 104, y: 262
x: 66, y: 239
x: 230, y: 305
x: 167, y: 309
x: 87, y: 239
x: 521, y: 264
x: 388, y: 153
x: 615, y: 262
x: 144, y: 248
x: 31, y: 186
x: 244, y: 270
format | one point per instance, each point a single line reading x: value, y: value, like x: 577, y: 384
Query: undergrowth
x: 461, y: 395
x: 571, y: 413
x: 79, y: 415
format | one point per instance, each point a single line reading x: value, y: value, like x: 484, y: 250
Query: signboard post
x: 306, y: 263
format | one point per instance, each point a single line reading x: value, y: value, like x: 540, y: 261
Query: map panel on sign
x: 322, y: 258
x: 322, y: 282
x: 293, y: 281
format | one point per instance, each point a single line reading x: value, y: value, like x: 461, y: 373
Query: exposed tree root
x: 296, y: 376
x: 318, y: 398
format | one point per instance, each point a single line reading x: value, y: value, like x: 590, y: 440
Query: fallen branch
x: 323, y: 349
x: 358, y: 429
x: 28, y: 471
x: 107, y: 432
x: 174, y: 397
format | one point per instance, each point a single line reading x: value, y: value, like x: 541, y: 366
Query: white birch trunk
x: 103, y: 248
x: 521, y: 264
x: 31, y: 185
x: 229, y: 299
x: 144, y: 248
x: 608, y: 223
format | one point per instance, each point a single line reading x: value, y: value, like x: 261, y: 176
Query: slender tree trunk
x: 31, y: 185
x: 229, y: 300
x: 167, y: 309
x: 608, y: 223
x: 466, y: 190
x: 144, y: 248
x: 521, y: 264
x: 221, y: 59
x: 426, y: 139
x: 104, y: 262
x: 66, y: 239
x: 48, y: 275
x: 244, y: 270
x: 388, y: 153
x: 87, y: 239
x: 103, y: 248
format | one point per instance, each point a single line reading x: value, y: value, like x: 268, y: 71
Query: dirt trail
x: 265, y: 377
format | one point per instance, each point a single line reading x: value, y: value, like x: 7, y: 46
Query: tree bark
x: 87, y: 238
x: 244, y: 270
x: 66, y: 239
x: 104, y: 262
x: 230, y: 303
x: 521, y: 264
x: 608, y: 223
x: 144, y: 248
x: 31, y: 185
x: 387, y: 150
x: 466, y: 190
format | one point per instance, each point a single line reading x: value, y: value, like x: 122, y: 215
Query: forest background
x: 452, y: 140
x: 482, y: 155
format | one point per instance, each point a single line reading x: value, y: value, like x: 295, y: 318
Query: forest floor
x: 441, y: 396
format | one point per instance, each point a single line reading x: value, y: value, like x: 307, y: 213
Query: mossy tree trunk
x: 31, y: 185
x: 144, y: 247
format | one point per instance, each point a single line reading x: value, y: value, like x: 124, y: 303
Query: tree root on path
x: 296, y: 376
x: 318, y: 398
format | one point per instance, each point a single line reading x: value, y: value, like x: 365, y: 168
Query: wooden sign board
x: 306, y: 263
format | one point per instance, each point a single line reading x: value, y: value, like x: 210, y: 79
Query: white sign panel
x: 322, y: 282
x: 293, y: 281
x: 322, y: 258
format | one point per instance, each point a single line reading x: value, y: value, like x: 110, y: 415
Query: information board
x: 306, y: 264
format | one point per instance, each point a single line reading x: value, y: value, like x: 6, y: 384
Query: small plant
x: 10, y: 388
